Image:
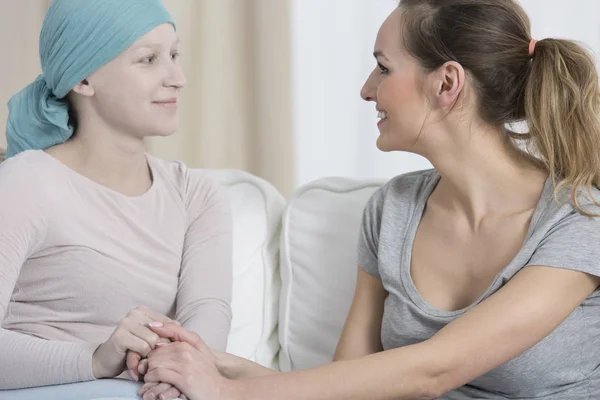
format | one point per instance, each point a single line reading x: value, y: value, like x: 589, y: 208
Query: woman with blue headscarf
x: 99, y: 240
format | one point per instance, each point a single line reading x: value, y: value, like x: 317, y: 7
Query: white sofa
x: 294, y: 267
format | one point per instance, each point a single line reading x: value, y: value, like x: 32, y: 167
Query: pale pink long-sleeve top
x: 76, y: 257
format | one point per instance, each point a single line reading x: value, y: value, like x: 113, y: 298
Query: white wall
x: 332, y: 45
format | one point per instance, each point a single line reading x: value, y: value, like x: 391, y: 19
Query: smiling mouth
x: 382, y: 115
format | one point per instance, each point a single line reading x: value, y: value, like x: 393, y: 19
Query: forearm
x: 28, y: 361
x: 237, y: 368
x: 350, y: 348
x: 395, y: 374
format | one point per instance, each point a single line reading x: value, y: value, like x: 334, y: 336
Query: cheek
x: 403, y: 101
x: 403, y: 93
x: 402, y: 98
x: 124, y: 106
x: 128, y: 104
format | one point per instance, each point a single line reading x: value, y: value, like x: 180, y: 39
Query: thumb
x: 132, y: 362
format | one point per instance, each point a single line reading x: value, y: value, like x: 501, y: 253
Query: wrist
x: 98, y: 369
x: 228, y: 365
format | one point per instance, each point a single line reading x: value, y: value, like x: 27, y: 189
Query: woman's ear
x: 449, y: 82
x: 84, y: 88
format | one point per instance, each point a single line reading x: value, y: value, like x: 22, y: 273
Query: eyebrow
x: 154, y: 45
x: 378, y: 53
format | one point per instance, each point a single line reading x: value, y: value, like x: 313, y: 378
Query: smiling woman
x: 137, y: 92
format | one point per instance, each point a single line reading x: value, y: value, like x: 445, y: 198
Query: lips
x: 167, y: 101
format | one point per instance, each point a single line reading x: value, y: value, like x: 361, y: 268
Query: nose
x: 369, y: 89
x: 176, y: 77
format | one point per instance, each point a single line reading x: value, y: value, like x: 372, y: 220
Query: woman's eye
x: 175, y: 56
x: 383, y: 69
x: 149, y: 60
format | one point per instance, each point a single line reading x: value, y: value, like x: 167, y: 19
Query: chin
x: 383, y: 144
x: 163, y: 131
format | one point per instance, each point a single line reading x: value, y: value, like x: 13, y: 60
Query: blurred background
x: 273, y: 85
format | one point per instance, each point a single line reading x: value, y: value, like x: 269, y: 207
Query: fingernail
x: 134, y: 375
x: 155, y: 324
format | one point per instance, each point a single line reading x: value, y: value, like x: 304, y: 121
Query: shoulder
x: 23, y: 172
x: 567, y: 238
x: 560, y: 211
x: 25, y: 194
x: 25, y: 161
x: 403, y: 190
x: 394, y: 202
x: 194, y: 186
x: 563, y: 229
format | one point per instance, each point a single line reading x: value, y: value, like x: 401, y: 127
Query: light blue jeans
x: 105, y: 389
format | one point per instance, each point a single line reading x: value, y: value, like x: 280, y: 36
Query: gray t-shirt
x: 564, y: 365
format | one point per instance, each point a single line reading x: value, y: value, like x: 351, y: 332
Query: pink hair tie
x: 532, y: 47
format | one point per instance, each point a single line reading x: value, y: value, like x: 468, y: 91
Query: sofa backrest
x: 318, y: 268
x: 257, y: 208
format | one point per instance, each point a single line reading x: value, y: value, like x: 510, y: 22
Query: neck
x: 483, y: 175
x: 113, y: 159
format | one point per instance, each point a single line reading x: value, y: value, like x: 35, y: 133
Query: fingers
x: 132, y: 331
x: 165, y: 375
x: 143, y: 367
x: 170, y: 394
x: 162, y: 391
x: 138, y: 321
x: 145, y: 333
x: 147, y: 386
x: 126, y: 341
x: 133, y: 360
x: 177, y: 333
x: 180, y: 350
x: 131, y: 341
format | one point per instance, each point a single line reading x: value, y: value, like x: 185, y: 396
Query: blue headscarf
x: 77, y: 38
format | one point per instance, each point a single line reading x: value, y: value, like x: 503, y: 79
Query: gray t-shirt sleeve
x: 368, y: 239
x: 573, y: 243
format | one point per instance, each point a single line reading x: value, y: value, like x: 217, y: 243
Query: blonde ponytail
x: 562, y: 109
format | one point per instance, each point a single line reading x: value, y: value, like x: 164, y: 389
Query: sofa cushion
x: 318, y: 268
x: 257, y: 208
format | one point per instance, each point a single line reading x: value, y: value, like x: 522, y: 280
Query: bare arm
x: 234, y: 367
x: 528, y: 308
x: 362, y: 331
